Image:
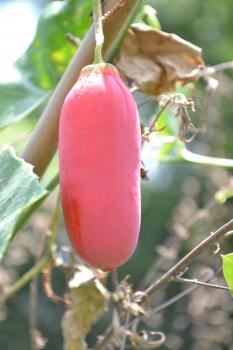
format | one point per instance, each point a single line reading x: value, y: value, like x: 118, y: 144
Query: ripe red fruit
x: 99, y: 145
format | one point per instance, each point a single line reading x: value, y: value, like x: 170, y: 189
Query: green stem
x: 205, y: 160
x: 27, y: 277
x: 54, y: 223
x: 99, y: 36
x: 46, y: 260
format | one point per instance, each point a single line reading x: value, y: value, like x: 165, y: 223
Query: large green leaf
x: 50, y: 52
x: 45, y: 60
x: 18, y: 100
x: 228, y: 270
x: 19, y: 189
x: 26, y: 214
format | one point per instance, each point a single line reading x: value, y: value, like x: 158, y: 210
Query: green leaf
x: 18, y: 100
x: 26, y: 214
x: 228, y: 270
x: 223, y: 194
x: 19, y: 189
x: 43, y: 64
x: 148, y: 15
x: 50, y: 52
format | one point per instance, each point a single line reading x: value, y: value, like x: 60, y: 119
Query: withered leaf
x: 154, y: 60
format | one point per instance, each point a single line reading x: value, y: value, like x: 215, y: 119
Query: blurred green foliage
x: 50, y: 52
x: 171, y: 197
x: 19, y: 188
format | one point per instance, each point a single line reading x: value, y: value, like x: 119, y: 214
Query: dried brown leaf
x: 155, y: 61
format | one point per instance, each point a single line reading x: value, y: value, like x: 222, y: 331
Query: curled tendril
x: 140, y: 296
x: 143, y: 339
x: 146, y: 340
x: 182, y: 105
x: 187, y: 131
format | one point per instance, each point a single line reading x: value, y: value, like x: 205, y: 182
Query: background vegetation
x: 179, y: 206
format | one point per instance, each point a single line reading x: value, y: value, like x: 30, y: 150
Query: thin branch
x: 186, y: 260
x: 162, y: 109
x: 229, y: 234
x: 174, y: 242
x: 104, y: 341
x: 200, y: 283
x: 152, y: 126
x: 27, y: 277
x: 171, y: 301
x: 115, y: 280
x: 45, y: 261
x: 214, y: 69
x: 73, y: 39
x: 48, y: 289
x: 33, y: 312
x: 222, y: 232
x: 180, y: 295
x: 125, y: 327
x: 34, y: 332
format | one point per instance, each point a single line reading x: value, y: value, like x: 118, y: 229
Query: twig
x: 48, y: 289
x: 171, y: 301
x: 115, y: 279
x: 180, y: 295
x: 27, y: 277
x: 45, y: 261
x: 162, y: 109
x: 217, y: 235
x: 175, y: 241
x: 185, y: 261
x: 33, y: 312
x: 72, y: 39
x: 107, y: 337
x: 229, y: 234
x: 214, y: 69
x: 200, y: 283
x: 34, y: 333
x: 125, y: 327
x: 152, y: 126
x: 46, y: 273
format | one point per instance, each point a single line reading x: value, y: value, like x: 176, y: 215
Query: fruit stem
x: 99, y: 36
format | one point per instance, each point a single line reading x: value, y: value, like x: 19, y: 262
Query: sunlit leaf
x: 228, y: 270
x: 19, y: 188
x: 50, y: 52
x: 45, y: 60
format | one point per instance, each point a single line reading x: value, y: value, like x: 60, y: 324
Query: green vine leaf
x: 18, y: 100
x: 228, y: 270
x: 19, y: 189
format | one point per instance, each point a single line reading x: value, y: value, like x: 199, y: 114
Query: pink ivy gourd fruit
x: 99, y: 151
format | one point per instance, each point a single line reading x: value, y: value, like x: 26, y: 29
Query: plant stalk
x: 99, y: 35
x: 27, y: 277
